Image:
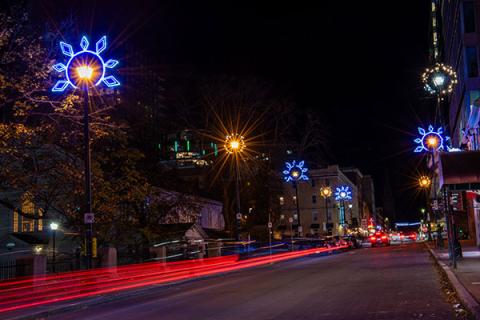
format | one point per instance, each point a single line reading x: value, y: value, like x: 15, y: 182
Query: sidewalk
x: 465, y: 278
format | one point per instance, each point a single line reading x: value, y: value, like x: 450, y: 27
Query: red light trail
x: 29, y: 292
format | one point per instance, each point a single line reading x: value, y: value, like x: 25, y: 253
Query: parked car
x: 379, y: 238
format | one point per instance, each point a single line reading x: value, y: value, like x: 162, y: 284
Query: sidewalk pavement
x: 465, y: 279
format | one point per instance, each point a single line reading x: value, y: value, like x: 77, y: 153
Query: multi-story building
x: 322, y: 216
x: 456, y: 42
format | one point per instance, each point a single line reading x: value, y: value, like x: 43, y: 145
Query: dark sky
x: 357, y: 63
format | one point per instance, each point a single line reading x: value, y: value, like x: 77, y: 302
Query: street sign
x: 88, y: 218
x: 290, y: 219
x: 239, y: 216
x: 270, y: 225
x: 456, y: 201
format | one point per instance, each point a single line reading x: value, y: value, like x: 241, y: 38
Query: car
x: 379, y: 238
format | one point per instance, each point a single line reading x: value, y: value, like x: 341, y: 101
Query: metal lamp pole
x: 88, y: 177
x: 237, y: 195
x: 53, y: 227
x: 298, y: 205
x: 84, y: 69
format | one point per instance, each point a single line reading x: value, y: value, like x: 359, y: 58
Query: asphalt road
x: 397, y: 282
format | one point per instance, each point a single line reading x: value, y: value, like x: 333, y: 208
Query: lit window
x: 282, y: 201
x: 15, y: 221
x: 294, y: 198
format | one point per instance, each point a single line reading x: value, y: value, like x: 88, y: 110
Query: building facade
x: 458, y: 26
x: 319, y: 216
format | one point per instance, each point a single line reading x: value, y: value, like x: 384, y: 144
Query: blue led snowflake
x: 343, y: 193
x: 431, y: 140
x: 86, y: 67
x: 295, y: 171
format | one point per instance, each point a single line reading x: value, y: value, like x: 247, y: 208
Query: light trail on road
x: 37, y: 291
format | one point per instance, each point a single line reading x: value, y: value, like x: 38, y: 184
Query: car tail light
x: 384, y: 237
x: 372, y: 238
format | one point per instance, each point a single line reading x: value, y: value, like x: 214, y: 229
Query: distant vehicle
x: 395, y: 236
x: 379, y: 238
x: 353, y: 242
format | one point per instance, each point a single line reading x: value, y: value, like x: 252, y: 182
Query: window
x: 315, y: 216
x: 282, y: 201
x: 314, y: 199
x: 15, y: 221
x: 313, y: 182
x: 294, y: 198
x: 471, y: 61
x: 468, y: 17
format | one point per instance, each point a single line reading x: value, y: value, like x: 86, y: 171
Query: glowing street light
x: 294, y: 172
x: 54, y: 228
x: 326, y: 192
x: 424, y: 182
x: 84, y: 70
x: 342, y: 194
x: 439, y: 80
x: 431, y: 140
x: 235, y: 144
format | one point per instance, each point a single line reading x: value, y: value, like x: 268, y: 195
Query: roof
x: 175, y: 231
x: 32, y: 238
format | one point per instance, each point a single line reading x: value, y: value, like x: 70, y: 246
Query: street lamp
x: 294, y: 172
x: 424, y: 182
x: 53, y: 227
x: 342, y: 194
x: 86, y: 69
x: 234, y: 145
x: 326, y: 192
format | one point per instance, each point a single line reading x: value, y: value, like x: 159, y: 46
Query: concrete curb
x: 462, y: 293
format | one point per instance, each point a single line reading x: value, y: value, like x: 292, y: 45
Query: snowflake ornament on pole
x: 431, y: 140
x: 85, y: 68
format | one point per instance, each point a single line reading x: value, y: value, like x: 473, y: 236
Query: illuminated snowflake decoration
x: 343, y: 193
x: 430, y: 140
x: 440, y: 79
x: 295, y: 171
x: 85, y: 68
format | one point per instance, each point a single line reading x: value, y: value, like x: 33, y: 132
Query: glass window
x: 314, y: 215
x: 471, y: 61
x: 468, y: 17
x: 314, y: 199
x: 282, y: 201
x: 313, y: 182
x: 15, y: 221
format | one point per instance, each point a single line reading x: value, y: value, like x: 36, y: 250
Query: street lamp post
x: 424, y: 183
x: 234, y: 145
x: 295, y: 172
x: 53, y: 227
x: 342, y: 194
x: 326, y: 193
x: 86, y: 69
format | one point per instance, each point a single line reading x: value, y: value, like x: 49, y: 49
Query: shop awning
x: 459, y: 170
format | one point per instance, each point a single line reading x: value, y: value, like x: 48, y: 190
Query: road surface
x: 397, y: 282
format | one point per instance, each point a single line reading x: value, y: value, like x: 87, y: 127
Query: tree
x: 41, y: 139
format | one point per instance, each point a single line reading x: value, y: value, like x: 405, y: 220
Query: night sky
x: 357, y: 63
